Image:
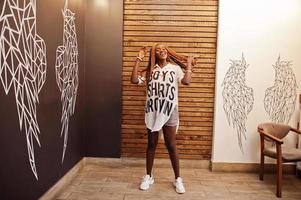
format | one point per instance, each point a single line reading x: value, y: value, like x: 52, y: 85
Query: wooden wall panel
x: 190, y: 28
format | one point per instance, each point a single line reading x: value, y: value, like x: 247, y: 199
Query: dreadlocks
x: 172, y: 57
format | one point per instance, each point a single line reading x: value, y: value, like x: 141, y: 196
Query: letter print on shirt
x: 162, y: 95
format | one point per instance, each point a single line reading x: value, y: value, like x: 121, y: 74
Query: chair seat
x: 288, y: 153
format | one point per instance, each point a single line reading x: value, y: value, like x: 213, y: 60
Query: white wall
x: 262, y: 30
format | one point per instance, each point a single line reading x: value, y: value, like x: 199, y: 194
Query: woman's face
x: 161, y: 52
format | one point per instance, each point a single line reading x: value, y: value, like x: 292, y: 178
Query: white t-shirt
x: 162, y: 95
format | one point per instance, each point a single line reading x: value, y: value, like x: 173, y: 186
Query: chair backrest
x: 277, y: 130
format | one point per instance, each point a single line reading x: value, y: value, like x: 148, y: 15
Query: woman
x: 161, y: 112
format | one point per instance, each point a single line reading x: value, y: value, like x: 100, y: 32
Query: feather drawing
x: 238, y: 98
x: 280, y: 99
x: 66, y: 68
x: 23, y: 65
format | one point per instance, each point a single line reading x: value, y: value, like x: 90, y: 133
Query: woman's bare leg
x: 170, y: 142
x: 150, y: 151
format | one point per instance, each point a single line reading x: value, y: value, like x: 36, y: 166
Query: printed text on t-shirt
x: 161, y: 93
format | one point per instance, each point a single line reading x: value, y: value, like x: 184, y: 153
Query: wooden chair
x: 275, y: 133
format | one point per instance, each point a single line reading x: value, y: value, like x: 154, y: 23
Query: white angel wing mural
x: 67, y: 71
x: 280, y: 99
x: 238, y: 98
x: 23, y: 65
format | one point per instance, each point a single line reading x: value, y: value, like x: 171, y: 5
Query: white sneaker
x: 146, y: 182
x: 178, y: 183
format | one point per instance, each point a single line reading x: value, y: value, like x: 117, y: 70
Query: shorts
x: 173, y: 119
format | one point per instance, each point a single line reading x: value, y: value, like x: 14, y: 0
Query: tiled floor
x: 118, y: 179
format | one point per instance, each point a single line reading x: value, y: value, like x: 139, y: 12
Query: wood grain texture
x: 190, y: 28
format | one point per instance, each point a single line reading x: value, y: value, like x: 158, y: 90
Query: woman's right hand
x: 134, y: 76
x: 142, y: 53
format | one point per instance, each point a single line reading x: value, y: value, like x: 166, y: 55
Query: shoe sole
x: 179, y: 192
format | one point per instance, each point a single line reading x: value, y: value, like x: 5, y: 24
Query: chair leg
x: 279, y: 175
x: 261, y: 167
x: 279, y: 179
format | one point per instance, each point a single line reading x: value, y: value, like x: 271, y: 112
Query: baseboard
x: 250, y: 167
x: 63, y: 182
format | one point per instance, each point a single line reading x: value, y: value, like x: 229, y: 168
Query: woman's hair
x: 172, y: 57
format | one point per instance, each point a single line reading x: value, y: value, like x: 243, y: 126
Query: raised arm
x: 187, y: 77
x: 141, y: 55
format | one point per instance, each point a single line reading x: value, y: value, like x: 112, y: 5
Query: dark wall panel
x: 103, y: 77
x: 17, y: 180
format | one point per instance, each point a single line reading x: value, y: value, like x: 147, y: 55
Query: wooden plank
x: 127, y: 83
x: 179, y: 146
x: 172, y: 28
x: 182, y: 119
x: 170, y: 18
x: 159, y: 155
x: 171, y: 12
x: 178, y: 136
x: 182, y: 114
x: 179, y: 142
x: 172, y: 2
x: 180, y: 132
x: 182, y: 123
x: 188, y: 99
x: 201, y: 58
x: 198, y: 68
x: 204, y: 56
x: 181, y: 109
x: 185, y: 88
x: 171, y: 7
x: 184, y: 92
x: 195, y: 80
x: 197, y: 119
x: 169, y: 34
x: 161, y: 39
x: 199, y: 64
x: 139, y: 140
x: 172, y: 44
x: 194, y: 75
x: 211, y: 51
x: 195, y: 89
x: 171, y: 23
x: 163, y: 150
x: 183, y: 128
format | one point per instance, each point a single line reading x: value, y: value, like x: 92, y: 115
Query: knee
x: 151, y: 146
x: 171, y: 147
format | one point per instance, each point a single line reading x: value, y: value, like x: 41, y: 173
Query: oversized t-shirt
x: 162, y: 95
